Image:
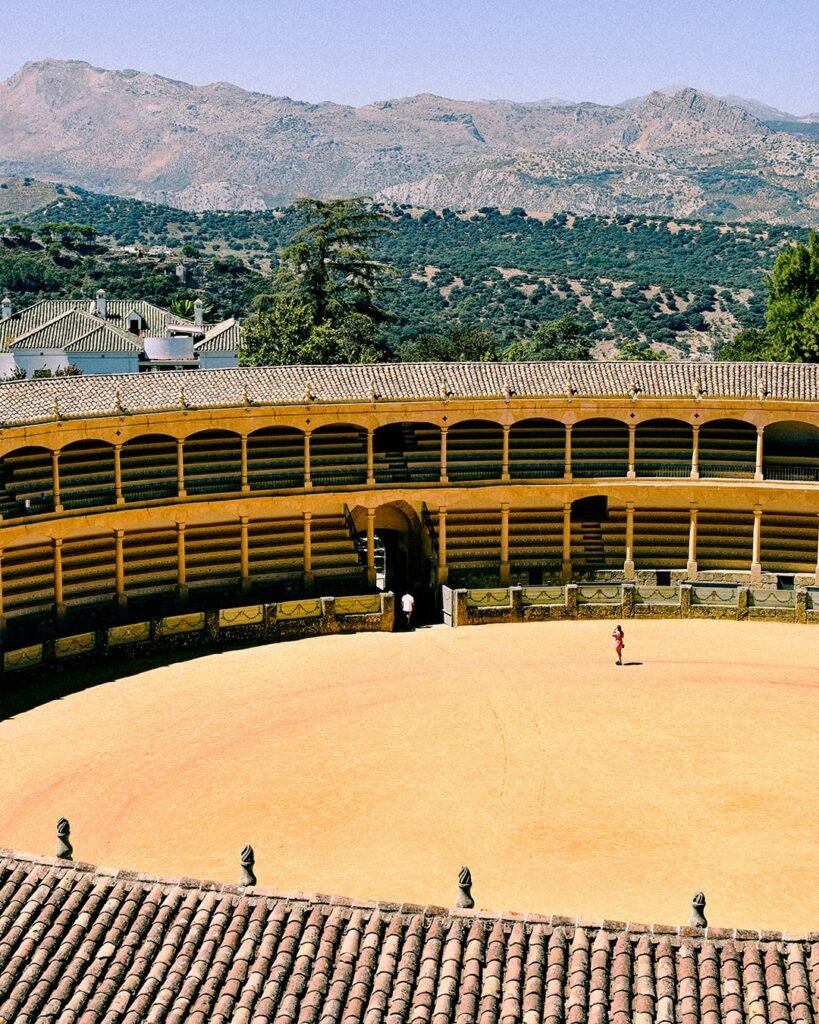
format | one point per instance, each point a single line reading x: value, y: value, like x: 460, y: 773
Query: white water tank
x: 173, y: 349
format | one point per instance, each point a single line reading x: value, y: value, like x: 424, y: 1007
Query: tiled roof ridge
x: 32, y: 401
x: 128, y: 340
x: 42, y: 326
x: 634, y: 931
x: 211, y: 330
x: 95, y: 323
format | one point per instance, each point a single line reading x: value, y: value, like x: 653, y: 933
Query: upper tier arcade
x: 135, y: 487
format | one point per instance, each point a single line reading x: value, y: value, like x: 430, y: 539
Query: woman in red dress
x: 619, y: 643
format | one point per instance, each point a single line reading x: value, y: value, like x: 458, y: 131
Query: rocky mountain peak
x: 136, y: 134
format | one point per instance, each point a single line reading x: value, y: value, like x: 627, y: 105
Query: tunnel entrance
x: 590, y: 510
x: 401, y: 565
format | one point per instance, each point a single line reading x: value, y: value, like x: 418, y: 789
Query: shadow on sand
x: 17, y: 698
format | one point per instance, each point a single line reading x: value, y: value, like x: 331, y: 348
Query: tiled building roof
x: 223, y: 337
x: 26, y: 401
x: 154, y: 318
x: 86, y: 946
x: 100, y: 338
x: 70, y: 327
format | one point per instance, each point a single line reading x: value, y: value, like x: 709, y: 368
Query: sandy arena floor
x: 375, y: 765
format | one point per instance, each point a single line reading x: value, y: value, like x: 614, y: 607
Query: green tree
x: 557, y: 339
x: 328, y: 265
x: 283, y: 333
x: 184, y: 306
x: 277, y: 334
x: 458, y: 345
x: 20, y: 234
x: 793, y: 303
x: 748, y: 345
x: 632, y: 351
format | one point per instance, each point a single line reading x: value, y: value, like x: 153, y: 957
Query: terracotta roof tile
x: 95, y: 394
x: 86, y: 946
x: 555, y: 977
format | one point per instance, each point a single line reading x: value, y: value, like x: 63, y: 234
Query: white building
x: 111, y: 336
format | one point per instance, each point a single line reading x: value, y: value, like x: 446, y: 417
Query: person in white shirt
x: 407, y: 604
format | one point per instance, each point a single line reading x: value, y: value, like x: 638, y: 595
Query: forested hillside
x: 679, y: 285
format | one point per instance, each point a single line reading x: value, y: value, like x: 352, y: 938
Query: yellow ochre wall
x: 747, y: 496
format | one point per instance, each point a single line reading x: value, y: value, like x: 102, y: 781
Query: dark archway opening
x: 590, y: 510
x: 401, y: 562
x: 791, y: 452
x: 588, y: 542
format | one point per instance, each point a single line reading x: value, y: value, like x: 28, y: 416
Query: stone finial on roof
x: 465, y: 885
x: 698, y: 918
x: 762, y: 390
x: 245, y: 395
x: 308, y: 392
x: 55, y: 409
x: 697, y: 389
x: 248, y: 859
x: 372, y: 394
x: 507, y: 390
x: 443, y: 391
x: 118, y: 406
x: 570, y: 389
x: 64, y: 848
x: 634, y: 390
x: 182, y: 401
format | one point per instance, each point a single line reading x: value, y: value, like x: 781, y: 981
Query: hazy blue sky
x: 357, y: 51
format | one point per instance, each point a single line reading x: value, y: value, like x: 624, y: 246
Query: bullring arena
x: 158, y: 535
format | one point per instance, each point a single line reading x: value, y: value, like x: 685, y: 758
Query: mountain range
x: 134, y: 134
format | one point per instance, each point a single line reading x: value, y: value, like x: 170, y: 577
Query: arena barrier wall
x: 628, y: 601
x: 246, y: 625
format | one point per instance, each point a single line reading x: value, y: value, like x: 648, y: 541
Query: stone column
x: 567, y: 457
x: 632, y: 446
x: 759, y: 453
x: 308, y: 552
x: 627, y: 600
x: 504, y: 559
x: 695, y: 453
x: 180, y: 467
x: 55, y: 481
x: 816, y: 577
x: 691, y: 568
x: 444, y: 478
x: 2, y: 609
x: 181, y: 568
x: 370, y: 459
x: 443, y: 568
x: 800, y: 611
x: 244, y: 554
x: 505, y: 456
x: 566, y: 564
x: 59, y: 600
x: 119, y: 567
x: 245, y: 483
x: 628, y: 565
x: 756, y: 564
x: 118, y: 497
x: 308, y: 480
x: 370, y: 547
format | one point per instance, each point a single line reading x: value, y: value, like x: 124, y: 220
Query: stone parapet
x: 217, y: 627
x: 628, y: 600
